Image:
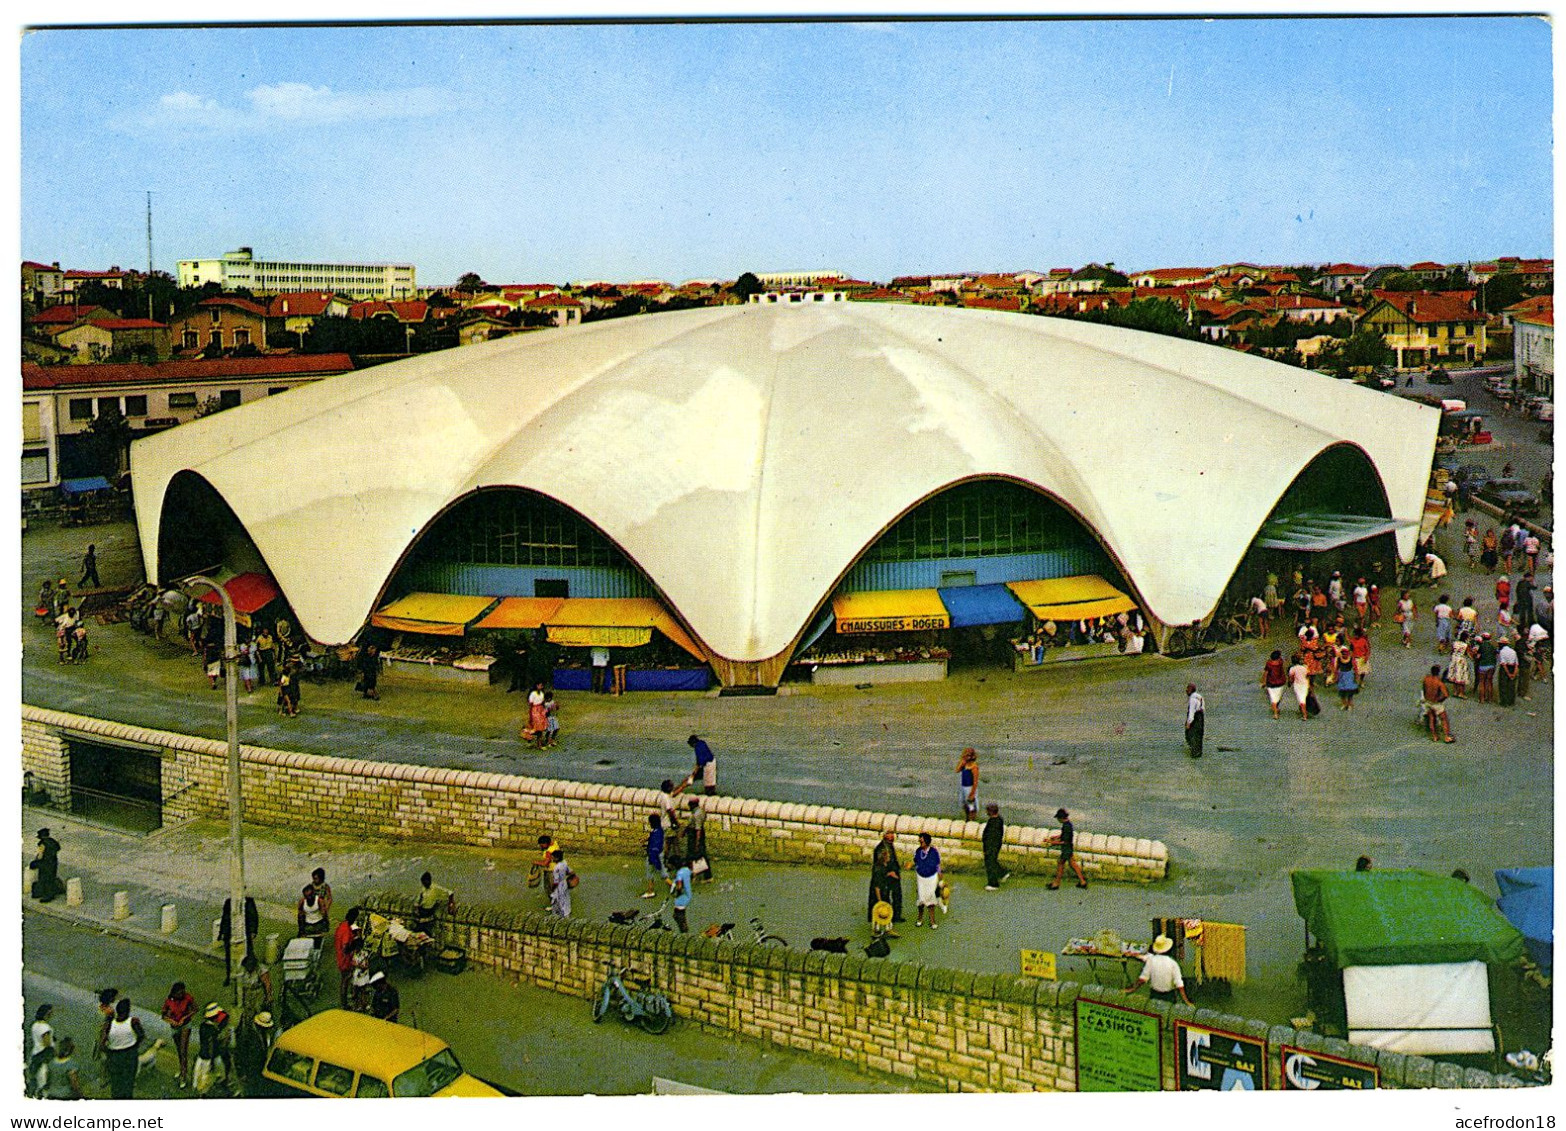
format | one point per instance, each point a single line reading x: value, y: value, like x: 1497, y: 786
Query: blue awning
x: 82, y: 486
x: 981, y: 604
x: 1528, y: 902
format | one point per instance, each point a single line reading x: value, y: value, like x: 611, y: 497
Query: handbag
x: 572, y: 879
x: 699, y: 866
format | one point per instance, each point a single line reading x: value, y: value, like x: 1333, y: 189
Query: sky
x: 559, y: 153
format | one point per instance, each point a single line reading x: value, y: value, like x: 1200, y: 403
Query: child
x: 551, y: 719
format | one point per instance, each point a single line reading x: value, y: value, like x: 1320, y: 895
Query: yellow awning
x: 1071, y: 598
x: 616, y: 613
x: 598, y: 636
x: 433, y: 614
x: 521, y: 612
x: 890, y: 610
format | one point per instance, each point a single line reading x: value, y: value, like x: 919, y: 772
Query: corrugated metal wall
x: 517, y: 581
x: 1067, y: 561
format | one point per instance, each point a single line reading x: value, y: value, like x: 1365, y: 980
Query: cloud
x: 288, y: 104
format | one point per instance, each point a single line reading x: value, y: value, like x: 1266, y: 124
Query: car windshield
x: 428, y: 1078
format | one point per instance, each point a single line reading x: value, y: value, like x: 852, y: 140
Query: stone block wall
x: 924, y: 1026
x: 44, y: 756
x: 395, y: 801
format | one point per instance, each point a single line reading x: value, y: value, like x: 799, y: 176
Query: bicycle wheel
x: 601, y: 1003
x: 656, y: 1016
x: 772, y: 940
x: 1180, y: 642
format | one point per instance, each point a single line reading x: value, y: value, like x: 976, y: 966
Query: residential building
x: 1533, y: 343
x: 108, y: 339
x: 40, y: 283
x: 113, y: 278
x: 60, y: 402
x: 220, y: 323
x: 289, y: 316
x: 1170, y: 276
x: 1339, y: 277
x: 564, y: 309
x: 1426, y: 327
x: 1307, y: 308
x: 240, y: 269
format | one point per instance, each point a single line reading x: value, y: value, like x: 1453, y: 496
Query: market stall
x: 251, y: 594
x: 1528, y: 902
x: 626, y: 626
x: 1074, y: 618
x: 898, y: 644
x: 1403, y: 959
x: 430, y: 636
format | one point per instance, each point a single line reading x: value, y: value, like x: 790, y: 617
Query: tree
x: 745, y: 286
x: 470, y: 283
x: 355, y: 336
x: 1501, y: 291
x: 108, y: 436
x: 1363, y: 350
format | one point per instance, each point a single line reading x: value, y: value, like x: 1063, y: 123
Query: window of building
x: 192, y: 340
x: 81, y: 408
x: 217, y: 315
x: 136, y: 406
x: 216, y: 338
x: 182, y: 400
x: 35, y: 466
x: 241, y: 337
x: 228, y: 398
x: 32, y: 421
x: 107, y: 403
x: 978, y: 520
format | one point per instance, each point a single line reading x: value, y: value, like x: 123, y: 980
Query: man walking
x: 994, y: 833
x: 1066, y: 839
x: 341, y: 939
x: 90, y: 568
x: 1195, y: 720
x: 1434, y: 695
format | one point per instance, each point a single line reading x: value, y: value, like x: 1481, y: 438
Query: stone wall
x: 926, y: 1027
x: 403, y: 802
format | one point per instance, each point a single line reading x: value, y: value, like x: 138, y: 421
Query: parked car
x: 1510, y: 495
x: 337, y: 1053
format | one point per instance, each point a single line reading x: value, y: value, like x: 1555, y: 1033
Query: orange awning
x: 521, y: 612
x: 577, y: 613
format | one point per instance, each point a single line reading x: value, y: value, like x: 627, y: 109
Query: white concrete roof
x: 745, y: 456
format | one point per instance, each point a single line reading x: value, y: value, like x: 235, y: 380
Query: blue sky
x: 555, y: 153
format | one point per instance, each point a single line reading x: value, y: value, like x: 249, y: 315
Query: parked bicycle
x: 645, y: 920
x: 637, y: 1001
x: 1189, y: 640
x: 760, y: 936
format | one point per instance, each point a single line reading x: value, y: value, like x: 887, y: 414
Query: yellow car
x: 338, y: 1053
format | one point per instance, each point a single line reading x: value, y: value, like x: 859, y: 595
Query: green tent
x: 1402, y: 917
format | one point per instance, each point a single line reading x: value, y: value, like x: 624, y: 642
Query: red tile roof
x: 238, y: 303
x: 1539, y: 310
x: 1428, y: 266
x: 1432, y: 306
x: 129, y: 324
x: 111, y: 273
x: 162, y: 373
x: 64, y: 314
x: 992, y: 303
x: 551, y: 302
x: 302, y: 304
x: 1345, y: 269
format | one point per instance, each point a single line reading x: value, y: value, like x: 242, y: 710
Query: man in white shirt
x: 600, y: 669
x: 1161, y: 974
x: 1195, y: 720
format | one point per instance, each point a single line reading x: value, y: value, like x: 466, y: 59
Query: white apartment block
x: 774, y: 279
x: 240, y: 268
x: 1533, y: 352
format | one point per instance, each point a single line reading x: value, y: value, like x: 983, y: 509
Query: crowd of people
x: 1125, y: 630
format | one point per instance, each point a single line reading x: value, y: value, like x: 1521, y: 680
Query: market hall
x: 764, y: 475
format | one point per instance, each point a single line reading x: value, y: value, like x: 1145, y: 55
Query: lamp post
x: 238, y: 939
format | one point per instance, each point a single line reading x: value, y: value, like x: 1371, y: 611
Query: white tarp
x: 1440, y: 1007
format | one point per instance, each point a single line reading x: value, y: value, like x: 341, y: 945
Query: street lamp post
x: 238, y: 939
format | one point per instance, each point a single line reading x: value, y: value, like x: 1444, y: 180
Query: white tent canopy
x: 744, y: 457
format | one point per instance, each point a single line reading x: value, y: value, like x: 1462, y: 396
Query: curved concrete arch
x: 744, y: 457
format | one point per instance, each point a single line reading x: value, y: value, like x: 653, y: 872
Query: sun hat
x: 1163, y: 944
x: 213, y: 1010
x: 264, y: 1020
x: 1061, y: 814
x: 881, y: 913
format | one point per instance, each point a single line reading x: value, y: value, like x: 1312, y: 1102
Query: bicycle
x: 760, y: 936
x: 1188, y: 639
x: 637, y: 1001
x: 645, y: 920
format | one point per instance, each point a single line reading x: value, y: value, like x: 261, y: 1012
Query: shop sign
x: 1039, y: 964
x: 1118, y: 1049
x: 1212, y: 1060
x: 1312, y: 1071
x: 894, y: 624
